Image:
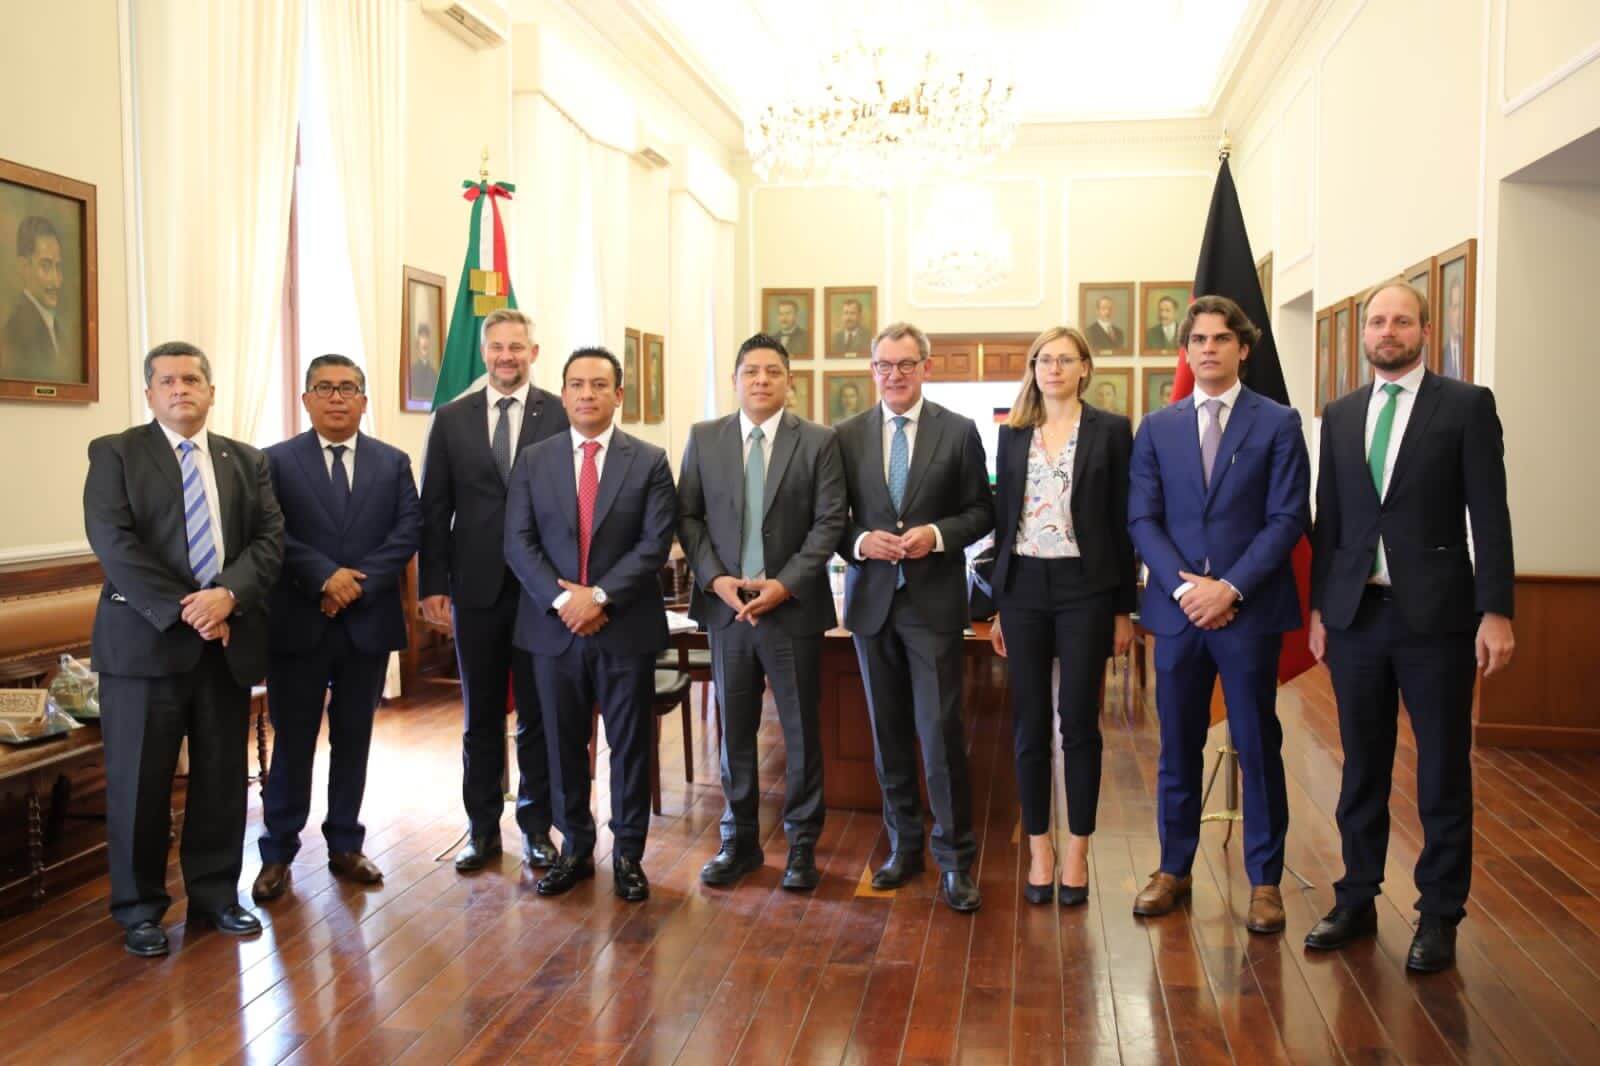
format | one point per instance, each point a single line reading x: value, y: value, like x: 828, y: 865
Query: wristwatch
x: 600, y: 596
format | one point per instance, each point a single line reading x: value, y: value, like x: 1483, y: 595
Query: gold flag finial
x: 483, y: 165
x: 1224, y: 145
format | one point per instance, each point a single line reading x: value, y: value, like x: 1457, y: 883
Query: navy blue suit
x: 376, y: 531
x: 1241, y: 530
x: 635, y: 515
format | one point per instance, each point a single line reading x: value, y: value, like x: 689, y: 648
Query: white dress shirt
x: 913, y: 417
x: 515, y: 412
x: 208, y: 477
x: 578, y: 441
x: 347, y: 460
x: 1229, y: 397
x: 1409, y: 383
x: 769, y: 433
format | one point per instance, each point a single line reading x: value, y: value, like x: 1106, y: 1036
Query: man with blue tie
x: 1218, y: 498
x: 351, y: 524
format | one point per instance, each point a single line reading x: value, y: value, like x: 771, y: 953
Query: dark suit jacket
x: 379, y: 534
x: 1451, y: 461
x: 1256, y: 511
x: 464, y: 500
x: 804, y: 513
x: 1100, y: 341
x: 862, y: 345
x: 29, y: 351
x: 133, y: 514
x: 947, y: 486
x: 634, y: 518
x: 1099, y: 503
x: 798, y: 344
x: 1155, y: 339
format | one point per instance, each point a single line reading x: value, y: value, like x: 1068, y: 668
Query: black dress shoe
x: 801, y: 873
x: 731, y: 863
x: 1072, y: 895
x: 146, y: 940
x: 960, y: 891
x: 232, y: 919
x: 1343, y: 925
x: 1039, y: 893
x: 1434, y: 947
x: 538, y: 853
x: 628, y: 880
x: 565, y: 874
x: 897, y: 870
x: 477, y: 852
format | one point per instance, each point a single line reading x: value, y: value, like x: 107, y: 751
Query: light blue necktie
x: 197, y: 517
x: 751, y: 560
x: 899, y: 469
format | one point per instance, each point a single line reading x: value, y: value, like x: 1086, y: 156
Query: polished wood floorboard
x: 433, y: 967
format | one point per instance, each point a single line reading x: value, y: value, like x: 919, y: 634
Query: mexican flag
x: 485, y: 286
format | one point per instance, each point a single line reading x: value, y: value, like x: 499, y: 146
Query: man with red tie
x: 589, y: 520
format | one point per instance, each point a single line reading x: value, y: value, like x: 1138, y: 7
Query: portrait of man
x: 1157, y: 389
x: 846, y: 394
x: 1109, y: 390
x: 852, y: 320
x: 1420, y: 277
x: 1341, y: 351
x: 630, y: 376
x: 48, y: 286
x: 424, y: 329
x: 1324, y: 361
x: 1453, y: 322
x: 655, y: 358
x: 799, y: 398
x: 787, y: 315
x: 1107, y: 313
x: 1164, y: 303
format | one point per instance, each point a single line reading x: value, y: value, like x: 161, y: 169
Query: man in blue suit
x: 589, y: 520
x: 1219, y: 495
x: 352, y: 522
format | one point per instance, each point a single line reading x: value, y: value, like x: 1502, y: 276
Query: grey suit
x: 908, y: 640
x: 804, y: 514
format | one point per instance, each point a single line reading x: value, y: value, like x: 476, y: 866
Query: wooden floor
x: 434, y: 967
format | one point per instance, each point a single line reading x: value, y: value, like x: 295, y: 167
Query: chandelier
x: 961, y: 246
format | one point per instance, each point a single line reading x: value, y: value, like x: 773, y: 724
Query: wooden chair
x: 672, y: 689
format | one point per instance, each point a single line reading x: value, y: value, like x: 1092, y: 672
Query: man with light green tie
x: 761, y: 496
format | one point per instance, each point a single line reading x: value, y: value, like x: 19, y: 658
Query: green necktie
x: 1380, y: 437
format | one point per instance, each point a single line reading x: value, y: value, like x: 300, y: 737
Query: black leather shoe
x: 538, y: 853
x: 1072, y: 895
x: 232, y: 919
x: 146, y: 940
x: 731, y: 863
x: 898, y: 870
x: 565, y: 874
x: 477, y: 852
x: 628, y: 880
x: 1039, y: 893
x: 1343, y: 925
x: 801, y: 873
x: 960, y: 891
x: 1434, y: 947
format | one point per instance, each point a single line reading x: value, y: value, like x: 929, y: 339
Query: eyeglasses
x: 905, y: 366
x: 325, y: 389
x: 1065, y: 362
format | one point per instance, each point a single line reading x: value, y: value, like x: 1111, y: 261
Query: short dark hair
x: 171, y: 349
x: 424, y: 330
x: 1237, y: 320
x: 593, y: 353
x: 761, y: 340
x: 29, y: 230
x: 788, y: 302
x: 1167, y: 300
x: 334, y: 359
x: 850, y: 301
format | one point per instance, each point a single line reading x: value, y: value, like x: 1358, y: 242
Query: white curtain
x: 217, y: 96
x: 701, y: 290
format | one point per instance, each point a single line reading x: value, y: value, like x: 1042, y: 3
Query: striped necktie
x: 197, y: 517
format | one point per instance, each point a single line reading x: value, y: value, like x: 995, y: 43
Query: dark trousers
x: 1375, y: 663
x: 571, y: 685
x: 1046, y: 614
x: 297, y: 688
x: 913, y: 677
x: 1187, y: 666
x: 143, y: 723
x: 743, y: 659
x: 487, y: 660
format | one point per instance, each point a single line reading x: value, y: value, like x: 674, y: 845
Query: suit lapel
x: 532, y: 411
x: 366, y: 469
x: 307, y: 452
x: 225, y: 466
x: 1088, y: 436
x: 1350, y: 438
x: 1233, y: 434
x: 929, y: 429
x: 166, y: 460
x: 1021, y: 444
x: 782, y: 450
x: 614, y: 474
x: 1188, y: 429
x: 730, y: 456
x: 1422, y: 409
x: 876, y: 470
x: 477, y: 431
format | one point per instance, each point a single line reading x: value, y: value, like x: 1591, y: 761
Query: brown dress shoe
x: 354, y: 866
x: 1266, y: 910
x: 1164, y: 892
x: 271, y: 882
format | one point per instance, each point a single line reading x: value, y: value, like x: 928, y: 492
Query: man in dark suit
x: 1218, y: 498
x: 589, y: 522
x: 1163, y: 336
x: 351, y: 524
x: 762, y: 507
x: 790, y: 332
x: 919, y: 494
x: 186, y: 527
x: 36, y: 346
x: 852, y: 337
x: 1105, y: 336
x: 464, y: 582
x: 1400, y: 610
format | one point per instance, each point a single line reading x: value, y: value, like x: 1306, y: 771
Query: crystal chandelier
x: 961, y: 247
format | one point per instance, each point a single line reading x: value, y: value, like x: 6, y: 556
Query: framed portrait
x: 1343, y: 347
x: 1162, y: 306
x: 799, y: 400
x: 1156, y: 388
x: 1111, y: 389
x: 49, y: 287
x: 846, y: 393
x: 1361, y: 370
x: 788, y: 315
x: 1264, y: 278
x: 1423, y: 277
x: 653, y: 371
x: 852, y: 320
x: 422, y: 330
x: 630, y: 375
x: 1105, y: 309
x: 1324, y: 369
x: 1456, y: 311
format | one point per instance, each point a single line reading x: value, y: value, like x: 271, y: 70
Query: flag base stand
x: 1228, y: 763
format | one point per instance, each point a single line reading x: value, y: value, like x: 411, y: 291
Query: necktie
x: 751, y: 561
x: 899, y: 467
x: 588, y: 489
x: 501, y: 444
x: 197, y: 517
x: 1379, y: 452
x: 1211, y: 438
x: 341, y: 480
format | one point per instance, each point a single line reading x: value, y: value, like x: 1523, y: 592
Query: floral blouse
x: 1045, y: 529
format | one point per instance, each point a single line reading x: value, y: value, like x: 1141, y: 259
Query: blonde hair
x: 897, y: 330
x: 501, y: 315
x: 1027, y: 410
x: 1405, y: 286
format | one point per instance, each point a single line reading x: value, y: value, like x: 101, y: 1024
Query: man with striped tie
x: 189, y: 534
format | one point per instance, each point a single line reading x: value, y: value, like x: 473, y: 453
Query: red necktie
x: 588, y: 489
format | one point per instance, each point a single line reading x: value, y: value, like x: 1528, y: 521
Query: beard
x: 1394, y: 357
